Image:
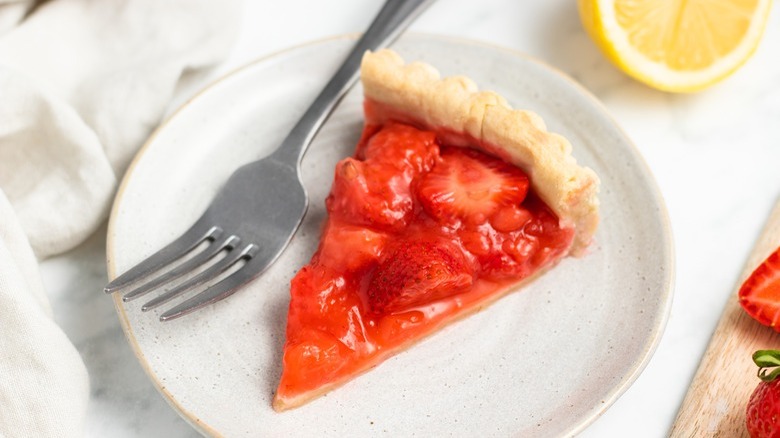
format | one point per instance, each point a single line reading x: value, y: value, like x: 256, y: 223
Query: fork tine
x: 184, y: 244
x: 223, y: 289
x: 212, y: 250
x: 209, y: 274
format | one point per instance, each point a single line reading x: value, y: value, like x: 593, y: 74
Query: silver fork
x: 257, y: 211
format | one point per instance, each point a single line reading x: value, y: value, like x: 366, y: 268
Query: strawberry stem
x: 766, y: 360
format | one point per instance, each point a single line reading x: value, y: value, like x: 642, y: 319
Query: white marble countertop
x: 716, y: 157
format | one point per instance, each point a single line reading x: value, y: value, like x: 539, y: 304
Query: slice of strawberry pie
x: 452, y: 200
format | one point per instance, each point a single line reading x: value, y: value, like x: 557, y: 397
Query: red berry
x: 403, y: 146
x: 416, y: 272
x: 763, y: 411
x: 375, y: 191
x: 370, y: 194
x: 470, y: 186
x: 760, y: 293
x: 350, y: 248
x: 510, y: 218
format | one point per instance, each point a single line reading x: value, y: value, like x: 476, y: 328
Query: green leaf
x: 767, y: 358
x: 766, y: 361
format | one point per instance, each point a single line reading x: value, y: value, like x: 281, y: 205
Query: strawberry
x: 763, y: 408
x: 373, y: 190
x: 314, y: 356
x: 403, y: 146
x: 370, y: 193
x: 516, y: 240
x: 470, y: 186
x: 508, y: 257
x: 510, y: 218
x: 760, y: 293
x: 415, y: 272
x: 349, y: 248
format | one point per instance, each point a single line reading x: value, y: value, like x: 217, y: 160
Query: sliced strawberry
x: 314, y: 357
x: 350, y: 248
x: 760, y: 293
x: 470, y: 186
x: 415, y: 272
x: 329, y: 301
x: 475, y: 241
x: 372, y: 194
x: 330, y: 309
x: 516, y: 241
x: 510, y: 218
x: 403, y: 146
x: 507, y: 257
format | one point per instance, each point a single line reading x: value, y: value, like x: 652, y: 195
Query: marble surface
x: 715, y: 154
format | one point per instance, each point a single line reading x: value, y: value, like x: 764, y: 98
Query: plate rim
x: 668, y: 247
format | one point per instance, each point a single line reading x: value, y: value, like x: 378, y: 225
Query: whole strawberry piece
x: 416, y: 272
x: 763, y: 409
x: 760, y: 293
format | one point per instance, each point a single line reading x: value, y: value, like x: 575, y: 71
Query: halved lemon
x: 676, y: 45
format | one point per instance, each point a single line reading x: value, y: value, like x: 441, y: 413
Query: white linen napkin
x: 82, y: 84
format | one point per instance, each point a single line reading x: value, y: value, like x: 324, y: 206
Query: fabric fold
x: 44, y: 386
x: 82, y: 85
x: 113, y: 64
x: 52, y: 167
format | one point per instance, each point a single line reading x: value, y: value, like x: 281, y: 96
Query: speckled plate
x: 545, y: 361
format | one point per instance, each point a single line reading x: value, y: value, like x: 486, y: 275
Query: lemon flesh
x: 676, y: 45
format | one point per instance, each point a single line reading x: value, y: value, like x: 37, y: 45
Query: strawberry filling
x: 417, y: 232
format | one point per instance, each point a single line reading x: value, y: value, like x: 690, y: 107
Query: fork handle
x: 392, y: 19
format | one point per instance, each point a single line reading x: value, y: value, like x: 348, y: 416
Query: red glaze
x: 418, y: 233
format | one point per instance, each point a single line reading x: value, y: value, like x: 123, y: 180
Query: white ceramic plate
x: 546, y: 361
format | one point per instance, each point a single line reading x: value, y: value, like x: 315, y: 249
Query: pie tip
x: 279, y: 405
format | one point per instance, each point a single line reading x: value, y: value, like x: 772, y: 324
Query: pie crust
x: 484, y: 120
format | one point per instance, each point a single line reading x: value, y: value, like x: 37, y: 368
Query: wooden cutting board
x: 716, y: 400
